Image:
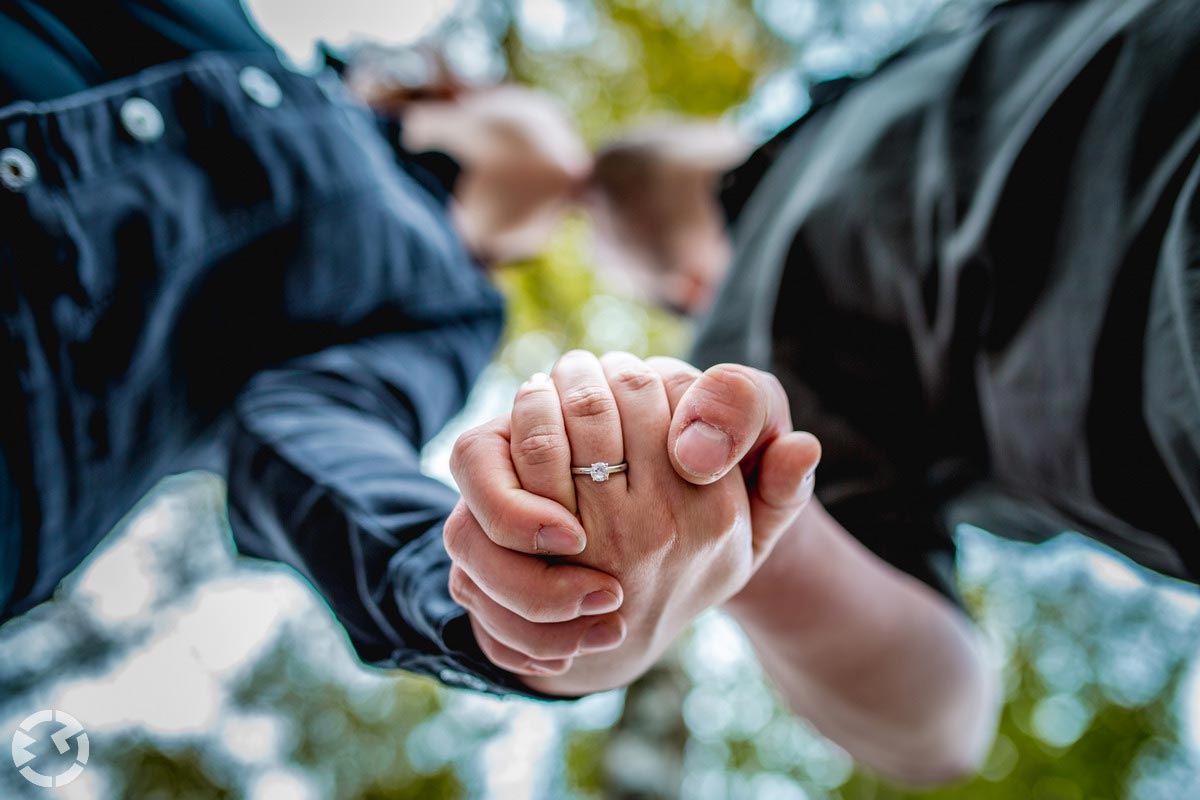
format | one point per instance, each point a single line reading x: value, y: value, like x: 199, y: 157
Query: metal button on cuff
x: 17, y: 169
x: 141, y: 119
x: 260, y: 87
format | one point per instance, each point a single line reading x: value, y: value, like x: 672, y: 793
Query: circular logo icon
x: 67, y: 728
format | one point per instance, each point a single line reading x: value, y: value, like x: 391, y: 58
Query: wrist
x: 784, y: 566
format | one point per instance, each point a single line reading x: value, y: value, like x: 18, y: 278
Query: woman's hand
x: 662, y: 548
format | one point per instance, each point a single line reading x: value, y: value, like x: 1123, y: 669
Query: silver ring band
x: 600, y: 470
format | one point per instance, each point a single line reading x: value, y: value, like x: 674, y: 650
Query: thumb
x: 729, y: 415
x: 782, y: 486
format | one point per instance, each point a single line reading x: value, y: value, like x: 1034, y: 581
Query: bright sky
x: 296, y: 25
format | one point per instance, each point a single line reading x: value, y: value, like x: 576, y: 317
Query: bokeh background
x: 198, y: 674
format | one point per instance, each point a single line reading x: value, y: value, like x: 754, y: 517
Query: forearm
x: 875, y: 660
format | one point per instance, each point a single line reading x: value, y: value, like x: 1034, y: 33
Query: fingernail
x: 600, y: 637
x: 599, y: 603
x: 538, y: 378
x: 702, y: 449
x: 558, y: 542
x: 548, y: 668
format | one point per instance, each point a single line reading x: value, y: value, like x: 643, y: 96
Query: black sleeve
x: 854, y: 386
x: 854, y: 382
x: 920, y: 265
x: 325, y: 476
x: 822, y: 292
x: 740, y: 182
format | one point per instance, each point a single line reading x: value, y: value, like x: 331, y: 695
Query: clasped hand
x: 579, y: 586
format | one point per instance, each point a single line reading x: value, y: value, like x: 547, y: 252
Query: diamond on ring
x: 599, y: 471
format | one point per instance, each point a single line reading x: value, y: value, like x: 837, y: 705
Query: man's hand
x: 675, y: 548
x: 652, y: 197
x: 523, y: 161
x: 873, y: 659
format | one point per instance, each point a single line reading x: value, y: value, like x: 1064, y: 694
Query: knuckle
x: 459, y: 587
x: 553, y: 602
x: 589, y: 402
x: 556, y: 667
x: 543, y: 445
x: 530, y: 390
x: 509, y: 528
x: 498, y: 655
x: 523, y: 664
x: 464, y: 446
x: 734, y: 380
x: 677, y: 376
x: 727, y: 397
x: 454, y: 534
x: 541, y: 610
x: 678, y: 382
x: 549, y: 646
x: 634, y: 379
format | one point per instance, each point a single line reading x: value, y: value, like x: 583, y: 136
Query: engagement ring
x: 600, y: 470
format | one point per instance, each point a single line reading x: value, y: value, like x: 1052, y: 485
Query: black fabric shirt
x: 218, y: 261
x: 978, y: 275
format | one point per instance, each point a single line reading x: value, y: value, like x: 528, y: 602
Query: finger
x: 518, y: 663
x: 782, y: 486
x: 591, y: 417
x: 541, y: 451
x: 531, y: 587
x: 724, y: 419
x: 677, y: 376
x: 539, y: 641
x: 482, y: 465
x: 642, y: 406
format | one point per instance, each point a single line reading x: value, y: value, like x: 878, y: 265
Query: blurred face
x: 656, y: 218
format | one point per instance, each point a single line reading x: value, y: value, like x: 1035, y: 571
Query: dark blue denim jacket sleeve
x: 325, y: 476
x: 256, y: 273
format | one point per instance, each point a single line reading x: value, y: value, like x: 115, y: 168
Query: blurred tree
x: 636, y: 59
x: 357, y: 739
x: 1094, y: 666
x: 144, y: 770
